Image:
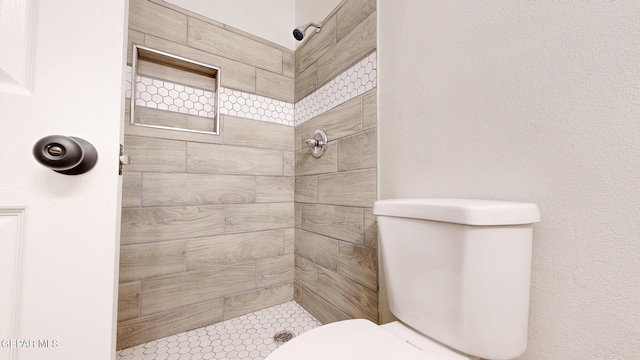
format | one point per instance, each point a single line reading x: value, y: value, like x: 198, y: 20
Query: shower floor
x: 246, y: 337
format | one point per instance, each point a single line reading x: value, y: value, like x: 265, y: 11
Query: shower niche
x: 172, y: 92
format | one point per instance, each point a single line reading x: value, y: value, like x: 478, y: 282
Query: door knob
x: 65, y: 154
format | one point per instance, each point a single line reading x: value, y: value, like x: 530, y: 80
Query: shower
x: 299, y: 31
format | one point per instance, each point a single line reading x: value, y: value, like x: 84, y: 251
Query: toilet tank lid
x: 460, y: 211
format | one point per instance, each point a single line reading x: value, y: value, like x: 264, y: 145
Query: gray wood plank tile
x: 274, y: 85
x: 317, y: 45
x: 225, y: 43
x: 189, y: 13
x: 131, y: 187
x: 307, y: 164
x: 144, y: 329
x: 370, y: 229
x: 289, y: 163
x: 276, y: 270
x: 256, y: 300
x: 128, y: 301
x: 149, y: 116
x: 134, y: 130
x: 201, y: 123
x: 156, y: 20
x: 233, y: 74
x: 174, y: 121
x: 298, y: 140
x: 353, y: 299
x: 143, y: 225
x: 176, y: 75
x: 341, y: 121
x: 289, y: 240
x: 352, y: 188
x: 289, y: 63
x: 320, y: 249
x: 233, y: 248
x: 306, y: 82
x: 257, y: 134
x: 162, y: 189
x: 134, y: 37
x: 297, y: 209
x: 306, y: 273
x: 152, y: 154
x: 354, y: 46
x: 144, y: 261
x: 318, y: 307
x: 270, y: 189
x: 344, y: 223
x: 359, y: 151
x: 370, y: 109
x: 233, y: 160
x: 189, y: 288
x: 351, y: 14
x: 257, y: 217
x: 359, y: 264
x: 306, y: 189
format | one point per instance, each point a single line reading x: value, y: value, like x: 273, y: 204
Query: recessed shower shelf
x: 184, y: 90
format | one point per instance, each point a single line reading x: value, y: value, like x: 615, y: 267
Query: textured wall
x: 537, y: 102
x: 207, y: 224
x: 335, y: 238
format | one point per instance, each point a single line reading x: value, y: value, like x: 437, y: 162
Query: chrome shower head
x: 299, y: 31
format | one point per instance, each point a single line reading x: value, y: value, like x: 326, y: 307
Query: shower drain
x: 282, y: 337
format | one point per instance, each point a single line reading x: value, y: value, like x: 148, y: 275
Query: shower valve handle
x: 318, y: 143
x: 314, y: 142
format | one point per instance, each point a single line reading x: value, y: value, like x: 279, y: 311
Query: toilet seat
x: 348, y: 340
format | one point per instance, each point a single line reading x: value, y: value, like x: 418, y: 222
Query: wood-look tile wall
x: 207, y: 221
x: 336, y: 262
x: 348, y: 34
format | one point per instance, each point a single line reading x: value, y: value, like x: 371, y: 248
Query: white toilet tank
x: 458, y: 270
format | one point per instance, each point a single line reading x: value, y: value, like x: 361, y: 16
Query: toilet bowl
x: 457, y: 273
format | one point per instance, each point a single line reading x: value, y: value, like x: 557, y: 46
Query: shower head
x: 298, y: 32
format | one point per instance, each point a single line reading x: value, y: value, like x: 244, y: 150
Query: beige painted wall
x: 537, y: 102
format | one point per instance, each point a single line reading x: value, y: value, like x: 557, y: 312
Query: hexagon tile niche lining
x: 164, y: 95
x: 351, y: 83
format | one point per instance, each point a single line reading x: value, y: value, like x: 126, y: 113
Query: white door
x: 61, y: 64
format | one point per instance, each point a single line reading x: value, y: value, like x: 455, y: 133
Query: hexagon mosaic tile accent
x: 256, y: 107
x: 158, y: 94
x: 355, y: 81
x: 246, y: 337
x: 164, y: 95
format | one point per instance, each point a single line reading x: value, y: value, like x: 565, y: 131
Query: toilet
x: 457, y: 274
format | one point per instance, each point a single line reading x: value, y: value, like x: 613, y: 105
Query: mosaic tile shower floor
x: 246, y: 337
